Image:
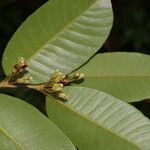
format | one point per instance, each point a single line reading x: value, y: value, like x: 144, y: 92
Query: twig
x: 54, y: 86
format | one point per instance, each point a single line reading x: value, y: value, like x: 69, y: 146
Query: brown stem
x: 38, y: 87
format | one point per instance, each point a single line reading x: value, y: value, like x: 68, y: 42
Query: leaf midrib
x: 11, y: 138
x: 92, y: 121
x: 59, y: 32
x: 109, y: 76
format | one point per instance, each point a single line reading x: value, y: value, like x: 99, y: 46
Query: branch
x: 54, y: 86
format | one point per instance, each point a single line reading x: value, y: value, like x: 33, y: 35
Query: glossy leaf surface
x: 96, y: 120
x: 60, y: 35
x: 23, y: 127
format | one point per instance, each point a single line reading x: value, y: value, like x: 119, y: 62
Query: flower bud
x: 57, y: 87
x: 79, y: 76
x: 63, y: 95
x: 57, y: 76
x: 19, y: 66
x: 24, y: 80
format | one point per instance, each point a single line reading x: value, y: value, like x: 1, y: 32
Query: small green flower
x: 24, y: 80
x: 57, y: 76
x: 63, y: 96
x: 20, y: 66
x: 57, y: 87
x: 79, y: 76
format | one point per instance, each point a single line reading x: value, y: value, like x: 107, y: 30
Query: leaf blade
x: 96, y: 120
x: 123, y: 75
x: 24, y: 127
x: 69, y: 42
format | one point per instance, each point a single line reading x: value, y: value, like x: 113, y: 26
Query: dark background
x: 130, y: 32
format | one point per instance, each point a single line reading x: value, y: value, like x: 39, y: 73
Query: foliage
x: 124, y: 75
x: 99, y: 120
x: 24, y: 127
x: 65, y: 35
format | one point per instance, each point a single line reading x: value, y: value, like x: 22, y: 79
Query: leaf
x: 60, y: 35
x: 24, y: 127
x: 123, y: 75
x: 94, y: 120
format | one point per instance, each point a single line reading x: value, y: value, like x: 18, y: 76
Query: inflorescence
x: 55, y: 85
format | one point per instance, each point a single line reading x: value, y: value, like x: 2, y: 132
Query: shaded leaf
x: 60, y: 35
x: 96, y: 120
x: 24, y: 127
x: 123, y: 75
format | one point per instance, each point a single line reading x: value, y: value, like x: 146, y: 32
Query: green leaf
x: 123, y: 75
x: 62, y: 34
x: 94, y: 120
x: 24, y: 127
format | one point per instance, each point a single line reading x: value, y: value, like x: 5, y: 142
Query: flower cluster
x: 54, y: 86
x: 20, y: 66
x: 58, y: 80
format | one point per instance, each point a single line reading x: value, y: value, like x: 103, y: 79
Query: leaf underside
x: 96, y: 120
x: 24, y: 127
x: 60, y: 35
x: 123, y: 75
